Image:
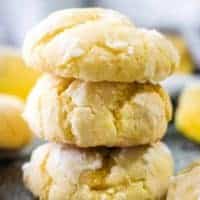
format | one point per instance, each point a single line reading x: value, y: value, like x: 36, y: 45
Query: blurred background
x: 18, y: 16
x: 179, y: 20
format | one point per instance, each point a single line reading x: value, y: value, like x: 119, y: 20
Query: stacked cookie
x: 98, y: 97
x: 185, y: 185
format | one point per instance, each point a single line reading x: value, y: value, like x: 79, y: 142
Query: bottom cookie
x: 58, y: 172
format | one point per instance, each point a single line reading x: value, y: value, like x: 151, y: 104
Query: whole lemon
x: 15, y: 77
x: 187, y: 118
x: 14, y: 131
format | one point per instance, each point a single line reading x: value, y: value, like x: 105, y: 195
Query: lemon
x: 187, y: 119
x: 14, y: 131
x: 15, y: 77
x: 186, y: 65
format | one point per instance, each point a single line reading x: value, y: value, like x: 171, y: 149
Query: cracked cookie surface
x: 186, y: 185
x: 95, y: 44
x: 97, y: 114
x: 62, y: 172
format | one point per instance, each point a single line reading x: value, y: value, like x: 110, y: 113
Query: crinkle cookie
x: 186, y: 185
x: 58, y: 172
x: 95, y: 44
x: 97, y: 113
x: 14, y: 131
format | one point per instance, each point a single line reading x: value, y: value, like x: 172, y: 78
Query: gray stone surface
x: 11, y: 186
x: 183, y: 150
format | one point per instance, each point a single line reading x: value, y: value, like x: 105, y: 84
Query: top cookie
x: 95, y: 44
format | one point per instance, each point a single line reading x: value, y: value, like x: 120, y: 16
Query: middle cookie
x: 97, y: 114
